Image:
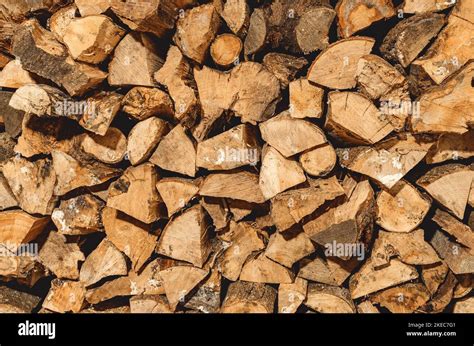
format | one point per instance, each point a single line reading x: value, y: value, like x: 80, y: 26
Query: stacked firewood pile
x: 236, y: 156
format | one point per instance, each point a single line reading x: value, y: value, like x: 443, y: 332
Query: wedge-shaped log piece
x: 14, y: 76
x: 434, y: 275
x: 207, y: 298
x: 355, y: 15
x: 186, y: 237
x: 110, y: 148
x: 348, y: 223
x: 422, y: 6
x: 13, y: 301
x: 244, y: 240
x: 452, y: 48
x: 176, y: 76
x: 12, y: 118
x: 134, y: 61
x: 319, y: 161
x: 7, y: 198
x: 72, y: 174
x: 330, y: 271
x: 7, y: 147
x: 217, y: 210
x: 231, y: 149
x: 284, y: 66
x: 60, y: 20
x: 135, y: 194
x: 353, y: 118
x: 226, y: 49
x: 65, y: 296
x: 250, y: 90
x: 149, y: 304
x: 142, y: 103
x: 40, y: 53
x: 278, y: 173
x: 366, y: 307
x: 176, y: 153
x: 99, y: 118
x: 17, y: 11
x: 306, y: 99
x: 458, y: 258
x: 32, y: 183
x: 144, y: 138
x: 130, y: 236
x: 329, y: 299
x: 87, y: 8
x: 409, y: 37
x: 291, y: 207
x: 336, y: 66
x: 91, y: 39
x: 241, y: 186
x: 406, y: 298
x: 236, y: 14
x: 79, y: 215
x: 179, y: 281
x: 443, y: 297
x: 401, y: 209
x: 18, y: 227
x: 61, y: 257
x: 463, y: 233
x: 369, y: 280
x: 450, y: 185
x: 303, y: 135
x: 410, y: 248
x: 464, y: 306
x: 452, y: 146
x: 106, y: 260
x: 262, y: 269
x: 249, y: 297
x: 196, y: 30
x: 447, y: 108
x: 291, y: 296
x: 289, y: 247
x: 176, y: 193
x: 388, y: 161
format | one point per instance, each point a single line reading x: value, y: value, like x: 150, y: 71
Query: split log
x: 18, y: 227
x: 306, y: 99
x: 410, y: 248
x: 330, y: 271
x: 135, y: 194
x: 79, y: 215
x: 289, y: 247
x: 443, y: 297
x: 217, y: 210
x: 300, y: 26
x: 4, y: 59
x: 110, y: 148
x: 65, y: 296
x: 336, y: 66
x: 354, y: 16
x: 461, y: 232
x: 291, y: 296
x: 249, y: 297
x: 40, y: 53
x: 319, y: 161
x: 459, y: 259
x: 130, y: 236
x: 452, y: 49
x: 60, y: 20
x: 353, y: 118
x: 176, y: 193
x: 464, y: 306
x: 14, y: 76
x: 186, y: 237
x: 12, y: 118
x: 7, y: 198
x: 434, y: 275
x: 13, y: 301
x: 464, y: 285
x: 6, y: 148
x: 231, y: 149
x: 261, y: 269
x: 196, y: 30
x: 86, y: 8
x: 176, y: 152
x: 329, y: 299
x: 435, y: 117
x: 142, y: 103
x: 32, y: 183
x: 291, y: 207
x: 401, y: 209
x: 226, y: 49
x: 149, y: 304
x: 452, y: 146
x: 241, y: 186
x: 387, y: 162
x: 134, y: 61
x: 278, y: 173
x: 450, y: 185
x: 105, y: 107
x: 72, y: 174
x: 284, y: 66
x: 403, y: 299
x: 207, y: 298
x: 409, y: 37
x: 144, y: 138
x: 179, y: 281
x: 61, y: 257
x: 369, y: 280
x: 366, y: 307
x: 91, y: 39
x: 303, y: 135
x: 422, y: 6
x: 236, y: 14
x: 106, y: 260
